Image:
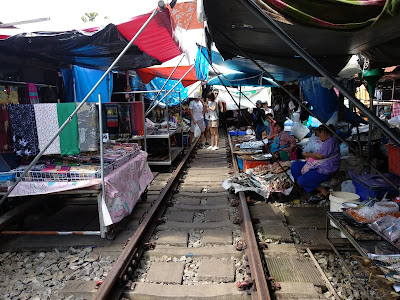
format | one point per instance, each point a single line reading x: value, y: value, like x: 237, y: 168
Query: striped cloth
x: 396, y: 108
x: 33, y: 95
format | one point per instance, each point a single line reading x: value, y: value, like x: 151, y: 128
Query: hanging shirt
x: 197, y: 109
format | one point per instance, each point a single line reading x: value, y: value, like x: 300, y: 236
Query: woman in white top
x: 197, y: 109
x: 212, y: 109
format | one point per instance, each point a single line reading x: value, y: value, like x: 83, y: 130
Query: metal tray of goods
x: 355, y: 221
x: 380, y: 234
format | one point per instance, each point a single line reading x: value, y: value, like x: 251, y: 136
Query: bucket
x: 337, y: 199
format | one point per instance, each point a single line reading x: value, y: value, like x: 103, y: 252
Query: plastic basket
x: 251, y: 164
x: 394, y: 159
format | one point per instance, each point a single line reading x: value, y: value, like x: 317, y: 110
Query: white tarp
x: 253, y: 93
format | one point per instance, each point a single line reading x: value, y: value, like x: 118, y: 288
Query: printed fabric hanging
x: 69, y: 137
x: 47, y: 126
x: 124, y: 120
x: 88, y: 127
x: 23, y: 129
x: 111, y: 112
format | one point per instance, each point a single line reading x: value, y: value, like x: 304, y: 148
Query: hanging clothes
x: 5, y: 133
x: 88, y: 127
x: 33, y: 94
x: 137, y: 123
x: 47, y: 125
x: 124, y: 120
x: 69, y: 137
x: 23, y: 129
x: 111, y: 111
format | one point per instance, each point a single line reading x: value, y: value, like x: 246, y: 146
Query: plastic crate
x: 394, y: 159
x: 375, y: 186
x: 240, y: 163
x: 235, y: 132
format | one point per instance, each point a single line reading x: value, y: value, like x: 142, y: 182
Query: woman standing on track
x: 212, y: 110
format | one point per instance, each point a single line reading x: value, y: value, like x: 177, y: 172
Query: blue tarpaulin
x: 324, y: 101
x: 202, y: 64
x: 156, y: 84
x: 85, y: 79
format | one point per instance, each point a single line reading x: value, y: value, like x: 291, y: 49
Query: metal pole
x: 179, y: 81
x: 273, y: 26
x: 103, y: 186
x: 165, y: 83
x: 80, y: 105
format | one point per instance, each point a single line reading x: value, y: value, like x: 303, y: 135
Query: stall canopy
x: 330, y: 31
x: 148, y: 74
x: 97, y: 48
x: 241, y: 64
x: 237, y: 79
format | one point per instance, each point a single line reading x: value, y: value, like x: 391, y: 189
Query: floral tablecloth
x: 123, y: 188
x: 125, y: 185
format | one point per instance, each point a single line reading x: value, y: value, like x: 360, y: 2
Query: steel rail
x: 256, y: 266
x: 130, y: 254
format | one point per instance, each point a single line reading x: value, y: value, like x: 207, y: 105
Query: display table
x: 362, y: 238
x: 123, y: 188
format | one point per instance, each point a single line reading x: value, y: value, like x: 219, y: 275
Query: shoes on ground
x: 210, y: 148
x: 215, y: 148
x: 207, y: 144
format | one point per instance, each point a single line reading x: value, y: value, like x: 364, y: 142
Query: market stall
x: 73, y: 164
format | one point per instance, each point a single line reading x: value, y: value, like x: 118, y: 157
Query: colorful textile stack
x: 88, y: 127
x: 69, y: 140
x: 47, y: 126
x: 33, y: 95
x: 23, y: 129
x: 111, y: 111
x: 5, y: 133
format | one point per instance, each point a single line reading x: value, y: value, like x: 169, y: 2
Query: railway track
x: 193, y: 239
x: 190, y: 250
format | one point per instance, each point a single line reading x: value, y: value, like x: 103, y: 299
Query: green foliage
x: 89, y: 16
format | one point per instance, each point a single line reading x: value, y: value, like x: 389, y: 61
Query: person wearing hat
x: 319, y: 167
x: 197, y: 108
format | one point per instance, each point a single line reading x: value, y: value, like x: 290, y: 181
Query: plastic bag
x: 197, y: 131
x: 344, y: 149
x: 298, y: 129
x: 383, y: 223
x: 393, y: 232
x: 348, y: 186
x: 313, y: 144
x: 368, y: 213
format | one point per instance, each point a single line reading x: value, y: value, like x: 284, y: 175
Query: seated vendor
x: 283, y: 142
x: 320, y: 165
x: 172, y: 118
